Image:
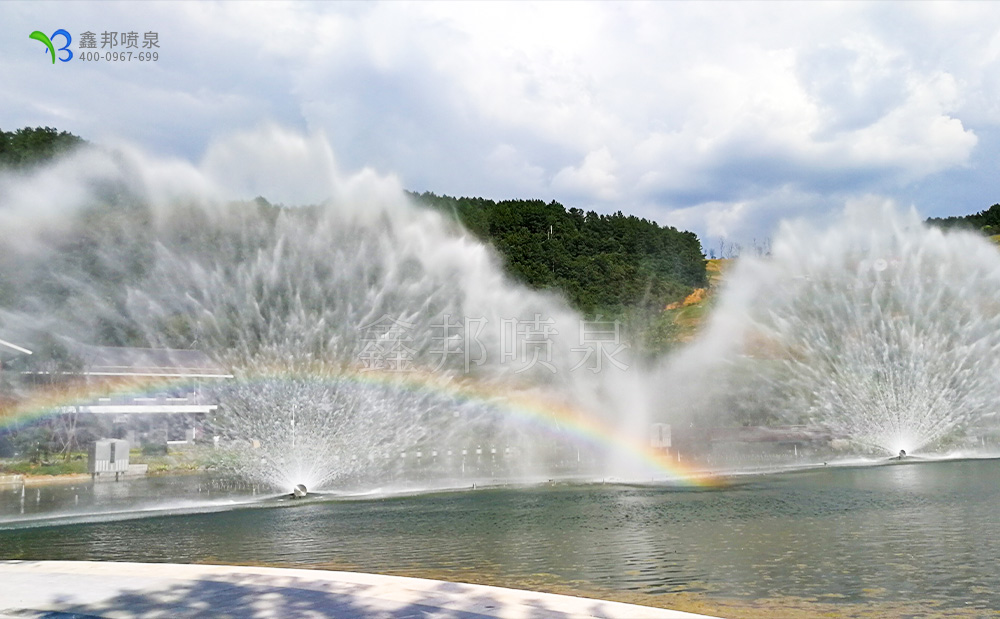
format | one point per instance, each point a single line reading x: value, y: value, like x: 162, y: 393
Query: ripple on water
x: 853, y: 536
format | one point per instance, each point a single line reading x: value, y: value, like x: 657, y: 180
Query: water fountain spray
x: 879, y: 330
x: 299, y: 303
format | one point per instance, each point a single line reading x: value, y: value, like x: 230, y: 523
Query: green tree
x: 986, y: 221
x: 602, y: 263
x: 27, y: 147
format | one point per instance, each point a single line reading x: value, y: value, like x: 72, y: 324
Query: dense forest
x: 604, y: 264
x: 986, y: 221
x: 26, y: 147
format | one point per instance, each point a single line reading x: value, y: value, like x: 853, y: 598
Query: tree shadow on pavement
x: 260, y: 596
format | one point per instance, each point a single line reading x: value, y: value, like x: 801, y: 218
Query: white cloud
x: 515, y: 169
x: 594, y: 177
x: 752, y: 218
x: 276, y: 164
x: 699, y: 113
x: 920, y: 136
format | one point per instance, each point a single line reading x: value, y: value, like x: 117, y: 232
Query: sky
x: 721, y: 118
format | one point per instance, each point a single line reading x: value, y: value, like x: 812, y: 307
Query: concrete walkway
x: 65, y: 589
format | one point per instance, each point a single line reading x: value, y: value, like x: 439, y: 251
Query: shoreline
x: 19, y: 479
x: 80, y: 586
x: 699, y: 603
x: 95, y: 587
x: 48, y: 480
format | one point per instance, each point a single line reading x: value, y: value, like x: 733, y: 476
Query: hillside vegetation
x: 614, y: 266
x: 604, y: 264
x: 986, y: 221
x: 29, y: 146
x: 688, y: 316
x: 654, y: 278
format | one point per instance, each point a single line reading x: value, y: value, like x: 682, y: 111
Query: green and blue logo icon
x: 47, y: 40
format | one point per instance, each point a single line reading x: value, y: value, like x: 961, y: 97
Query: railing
x: 188, y: 399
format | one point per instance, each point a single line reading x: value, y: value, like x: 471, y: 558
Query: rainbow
x: 52, y: 400
x: 532, y: 410
x: 554, y: 418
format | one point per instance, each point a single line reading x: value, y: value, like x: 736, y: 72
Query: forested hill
x: 986, y: 221
x: 603, y: 263
x: 26, y: 147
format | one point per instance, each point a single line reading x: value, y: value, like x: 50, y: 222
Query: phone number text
x: 119, y: 56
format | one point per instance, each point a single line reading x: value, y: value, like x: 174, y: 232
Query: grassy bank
x: 188, y: 460
x: 690, y: 315
x: 11, y: 466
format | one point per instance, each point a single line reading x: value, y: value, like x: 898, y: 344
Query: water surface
x: 906, y: 532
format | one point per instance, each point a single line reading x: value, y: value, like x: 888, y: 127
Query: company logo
x: 130, y: 46
x: 47, y: 40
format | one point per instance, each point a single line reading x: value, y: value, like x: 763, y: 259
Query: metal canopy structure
x: 182, y: 366
x: 169, y: 379
x: 148, y: 362
x: 15, y: 347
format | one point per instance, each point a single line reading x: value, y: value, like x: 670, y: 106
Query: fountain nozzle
x: 299, y: 491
